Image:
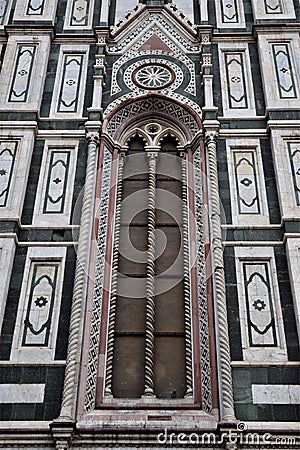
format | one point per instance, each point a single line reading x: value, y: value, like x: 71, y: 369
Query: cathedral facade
x: 149, y: 224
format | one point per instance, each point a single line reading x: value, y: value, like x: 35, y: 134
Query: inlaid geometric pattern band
x: 202, y: 298
x: 98, y: 292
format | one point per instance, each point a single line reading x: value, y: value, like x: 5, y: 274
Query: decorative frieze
x: 247, y: 182
x: 236, y: 80
x: 151, y: 104
x: 55, y: 188
x: 92, y: 368
x: 39, y: 305
x: 79, y: 14
x: 202, y: 292
x: 8, y: 152
x: 230, y: 14
x: 22, y: 73
x: 261, y: 320
x: 69, y: 83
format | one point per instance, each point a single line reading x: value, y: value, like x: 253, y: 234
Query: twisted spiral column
x: 186, y: 283
x: 114, y: 281
x: 150, y: 305
x: 68, y: 408
x: 227, y: 404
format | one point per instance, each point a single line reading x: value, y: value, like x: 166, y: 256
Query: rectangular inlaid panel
x: 8, y: 150
x: 259, y: 305
x: 22, y: 74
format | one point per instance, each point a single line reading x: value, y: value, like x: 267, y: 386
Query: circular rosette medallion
x: 153, y: 76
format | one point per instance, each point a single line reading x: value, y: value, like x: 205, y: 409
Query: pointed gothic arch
x: 159, y: 125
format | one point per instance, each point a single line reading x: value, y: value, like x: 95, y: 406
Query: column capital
x: 93, y: 137
x: 211, y: 135
x: 211, y: 128
x: 152, y: 154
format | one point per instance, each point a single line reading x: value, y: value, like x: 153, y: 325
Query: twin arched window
x: 149, y: 348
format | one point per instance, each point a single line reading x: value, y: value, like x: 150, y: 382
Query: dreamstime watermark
x: 168, y: 205
x: 240, y: 436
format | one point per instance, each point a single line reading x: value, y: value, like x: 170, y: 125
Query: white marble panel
x: 5, y: 6
x: 273, y: 9
x: 22, y: 393
x: 257, y: 353
x: 37, y: 293
x: 12, y: 209
x: 293, y: 256
x: 7, y: 253
x: 37, y: 75
x: 230, y: 14
x: 280, y: 70
x: 59, y: 186
x: 65, y: 80
x: 252, y: 210
x: 79, y: 15
x: 280, y: 140
x: 236, y: 80
x: 276, y: 394
x: 36, y: 10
